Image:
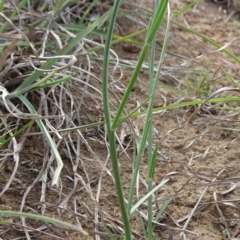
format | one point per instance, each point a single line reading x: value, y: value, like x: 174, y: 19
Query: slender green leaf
x: 13, y: 14
x: 153, y: 163
x: 44, y: 219
x: 51, y: 143
x: 214, y: 43
x: 162, y: 209
x: 156, y: 22
x: 136, y: 206
x: 110, y: 131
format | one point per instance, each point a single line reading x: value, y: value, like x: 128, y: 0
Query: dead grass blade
x: 7, y: 52
x: 182, y: 234
x: 16, y: 150
x: 222, y: 218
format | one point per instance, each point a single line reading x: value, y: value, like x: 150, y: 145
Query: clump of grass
x: 51, y: 57
x: 46, y: 75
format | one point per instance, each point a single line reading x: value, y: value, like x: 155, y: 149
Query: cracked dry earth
x: 201, y: 160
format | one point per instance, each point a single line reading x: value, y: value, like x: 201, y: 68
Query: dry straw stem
x: 182, y: 234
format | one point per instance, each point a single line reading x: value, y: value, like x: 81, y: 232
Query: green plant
x: 112, y: 124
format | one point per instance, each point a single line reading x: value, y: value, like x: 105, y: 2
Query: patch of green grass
x: 66, y: 40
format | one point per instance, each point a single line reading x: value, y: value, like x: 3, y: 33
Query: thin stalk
x: 151, y: 170
x: 152, y: 89
x: 110, y: 131
x: 149, y: 139
x: 137, y: 164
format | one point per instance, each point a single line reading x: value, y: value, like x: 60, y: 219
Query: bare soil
x: 197, y: 156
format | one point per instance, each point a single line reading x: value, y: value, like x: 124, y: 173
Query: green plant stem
x: 149, y: 139
x: 110, y: 131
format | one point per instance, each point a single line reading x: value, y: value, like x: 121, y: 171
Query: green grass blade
x: 157, y: 110
x: 110, y: 235
x: 137, y: 164
x: 183, y: 10
x: 162, y: 209
x: 152, y: 166
x: 2, y: 3
x: 47, y: 136
x: 156, y: 22
x: 43, y: 219
x: 229, y: 76
x: 136, y: 206
x: 110, y: 131
x: 42, y: 84
x: 214, y: 43
x: 143, y: 225
x: 15, y: 134
x: 5, y: 222
x: 87, y: 11
x: 13, y: 14
x: 149, y: 138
